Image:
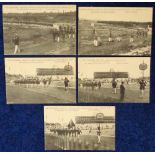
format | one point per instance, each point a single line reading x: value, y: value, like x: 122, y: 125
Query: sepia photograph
x: 115, y: 31
x: 39, y: 29
x: 114, y: 80
x: 40, y: 80
x: 79, y: 127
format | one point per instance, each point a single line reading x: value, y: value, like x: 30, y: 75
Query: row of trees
x: 40, y: 17
x: 126, y: 23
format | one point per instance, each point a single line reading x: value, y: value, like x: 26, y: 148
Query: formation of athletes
x: 62, y: 32
x: 75, y: 131
x: 32, y: 82
x: 138, y: 33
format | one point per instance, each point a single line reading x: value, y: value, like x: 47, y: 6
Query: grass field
x: 20, y: 94
x: 114, y: 48
x: 132, y: 95
x: 84, y: 142
x: 36, y: 41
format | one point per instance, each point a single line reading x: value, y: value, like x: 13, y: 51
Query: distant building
x: 49, y: 126
x: 12, y: 77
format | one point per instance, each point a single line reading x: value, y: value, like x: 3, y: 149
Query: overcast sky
x: 37, y: 8
x: 116, y: 13
x: 63, y: 114
x: 27, y: 66
x: 87, y: 66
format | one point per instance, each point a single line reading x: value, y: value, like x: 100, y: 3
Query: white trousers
x: 99, y: 139
x: 95, y: 43
x: 110, y: 39
x: 17, y: 49
x: 142, y: 93
x: 131, y: 40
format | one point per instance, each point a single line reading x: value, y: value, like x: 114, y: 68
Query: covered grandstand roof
x: 110, y: 75
x: 93, y: 119
x: 67, y: 70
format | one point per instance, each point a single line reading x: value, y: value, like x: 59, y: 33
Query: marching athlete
x: 66, y: 81
x: 142, y: 84
x: 16, y: 43
x: 114, y: 86
x: 99, y: 85
x: 99, y: 134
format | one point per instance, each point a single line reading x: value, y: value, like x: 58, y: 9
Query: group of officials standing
x: 142, y: 85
